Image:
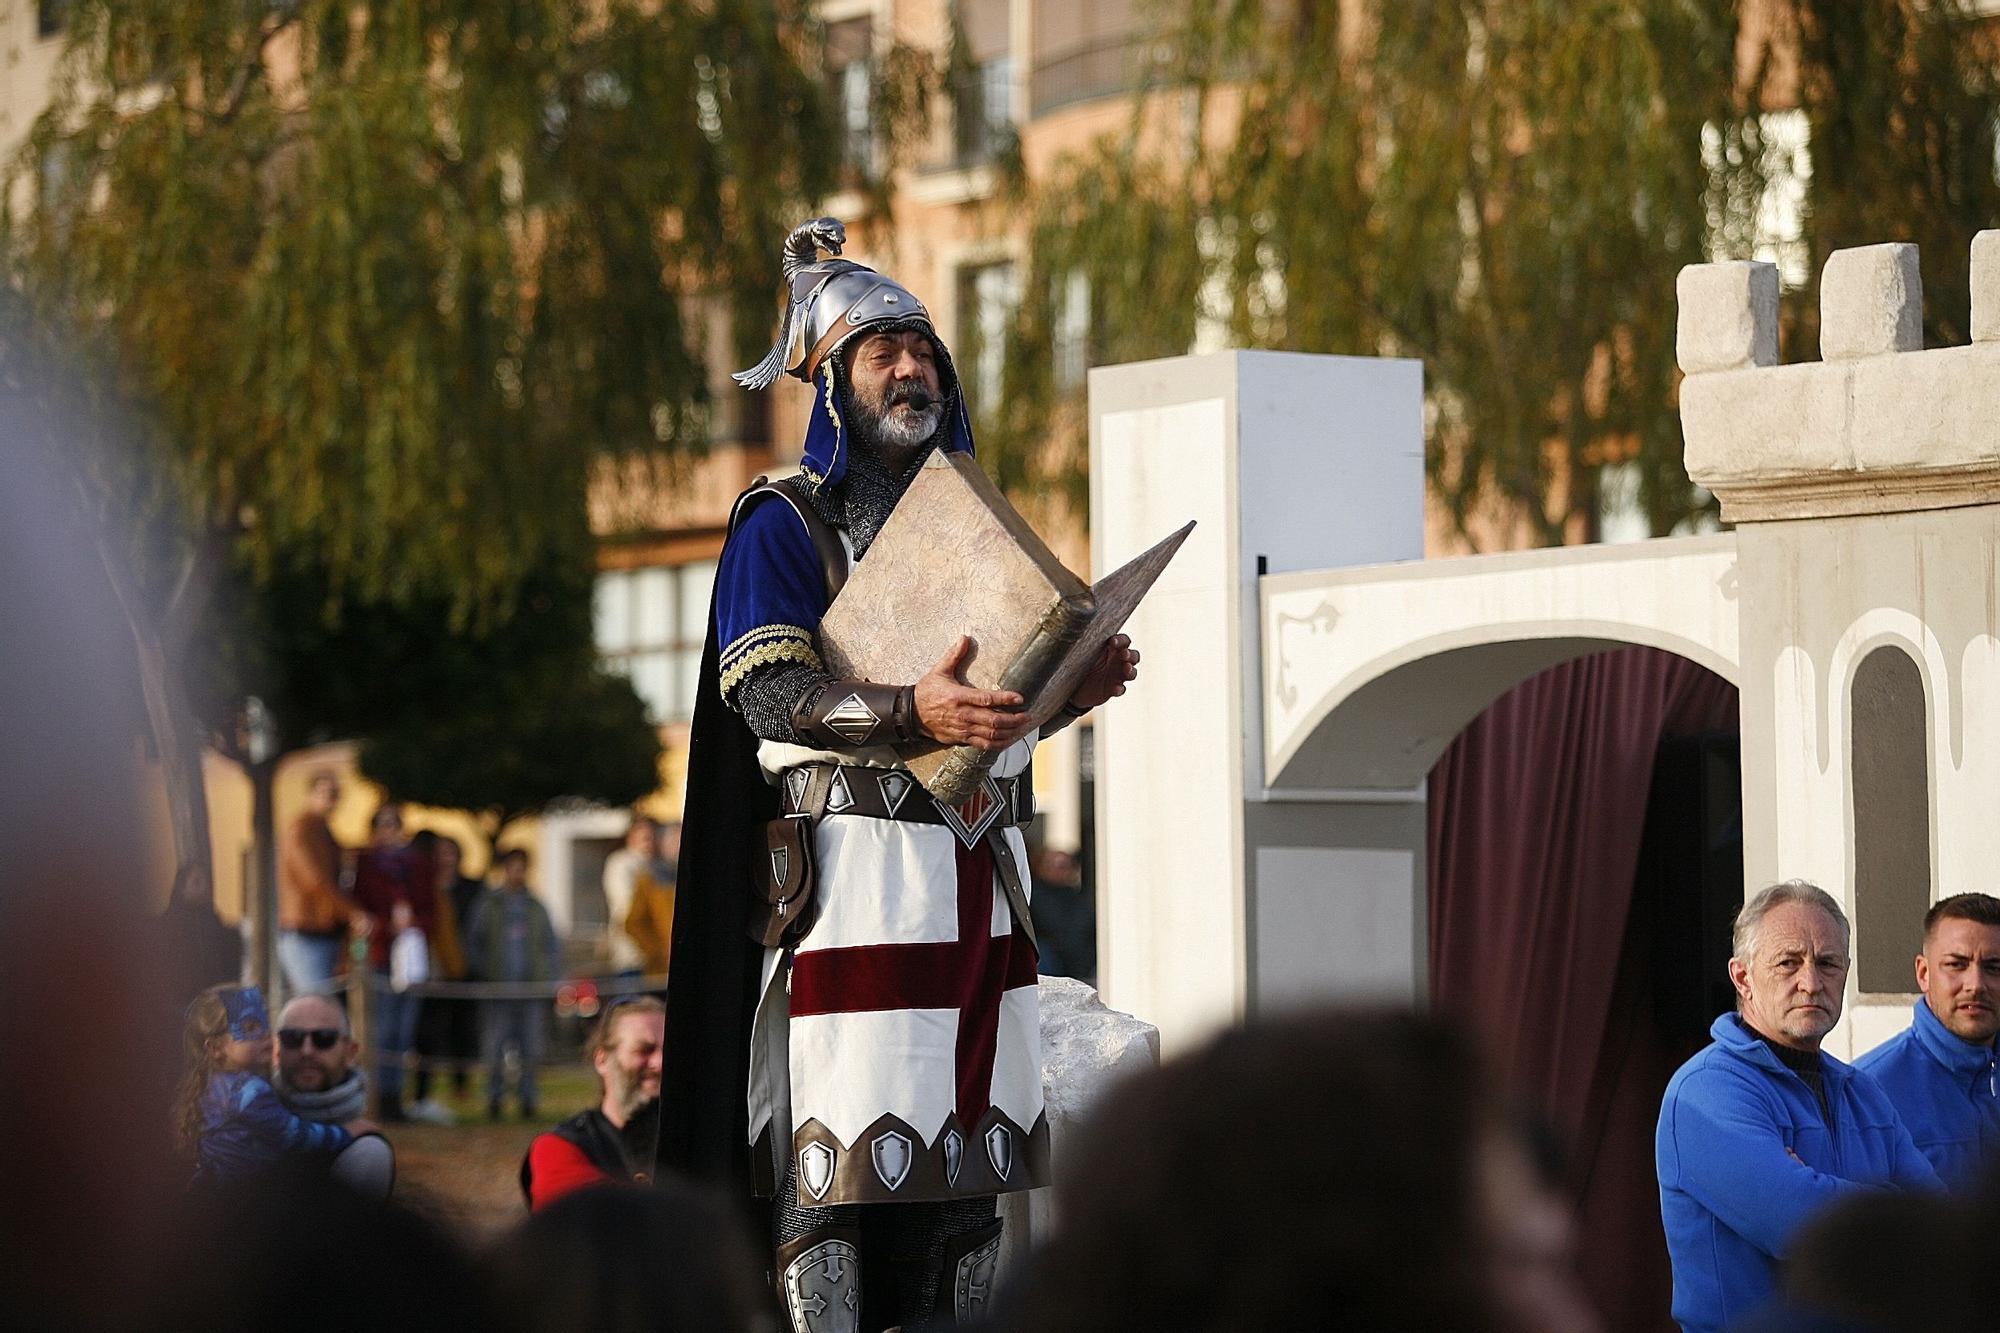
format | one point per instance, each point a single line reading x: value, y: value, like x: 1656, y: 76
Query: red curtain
x: 1536, y: 815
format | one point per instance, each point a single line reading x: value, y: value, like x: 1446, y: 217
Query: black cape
x: 712, y: 986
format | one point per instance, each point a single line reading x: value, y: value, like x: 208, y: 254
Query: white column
x: 1286, y: 462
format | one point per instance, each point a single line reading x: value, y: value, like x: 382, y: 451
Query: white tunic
x: 891, y: 1101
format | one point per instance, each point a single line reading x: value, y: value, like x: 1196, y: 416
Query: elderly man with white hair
x: 1762, y: 1129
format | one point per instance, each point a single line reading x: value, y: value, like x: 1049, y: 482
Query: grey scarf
x: 342, y: 1102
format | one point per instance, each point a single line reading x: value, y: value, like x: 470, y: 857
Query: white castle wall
x: 1865, y: 488
x: 1260, y: 799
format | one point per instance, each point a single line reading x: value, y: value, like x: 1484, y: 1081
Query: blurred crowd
x: 1361, y: 1168
x: 1354, y: 1168
x: 1417, y: 1199
x: 401, y: 912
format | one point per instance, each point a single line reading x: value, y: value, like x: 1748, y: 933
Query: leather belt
x: 892, y: 793
x: 816, y: 791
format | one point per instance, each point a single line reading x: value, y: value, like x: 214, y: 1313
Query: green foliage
x: 584, y: 736
x: 1504, y: 190
x: 1903, y: 99
x: 385, y: 280
x: 500, y: 722
x: 365, y: 292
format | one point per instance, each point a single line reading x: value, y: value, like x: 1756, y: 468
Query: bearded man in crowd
x: 614, y: 1141
x: 1943, y: 1071
x: 316, y: 1078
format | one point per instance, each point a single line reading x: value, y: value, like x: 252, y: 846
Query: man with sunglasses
x: 316, y: 1077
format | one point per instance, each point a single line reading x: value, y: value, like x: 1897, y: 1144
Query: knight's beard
x: 895, y: 426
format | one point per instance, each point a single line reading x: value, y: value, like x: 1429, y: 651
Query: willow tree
x: 1901, y: 99
x: 372, y: 288
x: 1505, y: 190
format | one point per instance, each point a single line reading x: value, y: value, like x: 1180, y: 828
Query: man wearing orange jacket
x: 313, y: 914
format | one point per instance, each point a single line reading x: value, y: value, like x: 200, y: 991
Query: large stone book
x: 956, y: 559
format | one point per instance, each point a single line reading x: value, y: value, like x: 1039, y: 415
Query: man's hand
x: 954, y: 713
x: 1116, y: 665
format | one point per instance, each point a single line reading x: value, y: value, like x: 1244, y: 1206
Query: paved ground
x: 467, y: 1176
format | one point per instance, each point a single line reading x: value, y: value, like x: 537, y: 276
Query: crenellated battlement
x: 1877, y: 426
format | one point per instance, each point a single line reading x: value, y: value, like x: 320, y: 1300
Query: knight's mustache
x: 913, y: 395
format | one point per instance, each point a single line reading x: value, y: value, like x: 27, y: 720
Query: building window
x: 1621, y: 517
x: 988, y: 295
x: 1889, y: 763
x: 1621, y: 512
x: 850, y: 80
x: 650, y: 623
x: 1084, y: 51
x: 51, y: 16
x: 983, y: 95
x: 983, y: 112
x: 1072, y: 331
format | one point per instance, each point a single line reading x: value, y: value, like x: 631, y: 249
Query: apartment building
x: 30, y: 41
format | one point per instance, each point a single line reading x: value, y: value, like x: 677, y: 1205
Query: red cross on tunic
x: 968, y: 974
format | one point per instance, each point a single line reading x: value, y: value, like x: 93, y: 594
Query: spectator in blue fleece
x: 1761, y: 1130
x: 1940, y: 1072
x: 227, y: 1114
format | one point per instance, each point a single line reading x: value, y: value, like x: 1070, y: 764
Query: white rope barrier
x: 651, y: 983
x: 531, y: 990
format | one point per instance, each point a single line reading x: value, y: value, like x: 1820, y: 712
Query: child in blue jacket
x: 227, y: 1116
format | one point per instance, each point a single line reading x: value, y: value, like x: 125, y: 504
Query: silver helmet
x: 831, y: 300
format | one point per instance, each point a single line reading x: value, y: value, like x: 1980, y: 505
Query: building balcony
x: 1104, y: 67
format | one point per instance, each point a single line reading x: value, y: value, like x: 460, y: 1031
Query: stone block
x: 1932, y: 414
x: 1086, y: 1047
x: 1986, y: 287
x: 1753, y: 426
x: 1871, y: 301
x: 1728, y: 316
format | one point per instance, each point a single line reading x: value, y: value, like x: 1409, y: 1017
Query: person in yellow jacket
x: 649, y: 922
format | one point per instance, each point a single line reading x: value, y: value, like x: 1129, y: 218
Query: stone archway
x: 1371, y: 672
x: 1369, y: 675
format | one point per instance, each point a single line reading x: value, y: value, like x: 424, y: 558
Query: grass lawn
x: 467, y: 1176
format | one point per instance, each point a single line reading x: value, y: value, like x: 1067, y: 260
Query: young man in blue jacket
x: 1940, y: 1073
x: 1761, y: 1130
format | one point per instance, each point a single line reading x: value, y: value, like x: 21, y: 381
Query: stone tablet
x: 956, y: 559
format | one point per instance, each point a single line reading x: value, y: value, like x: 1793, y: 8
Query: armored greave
x: 965, y: 1276
x: 940, y: 1258
x: 927, y: 1265
x: 819, y: 1280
